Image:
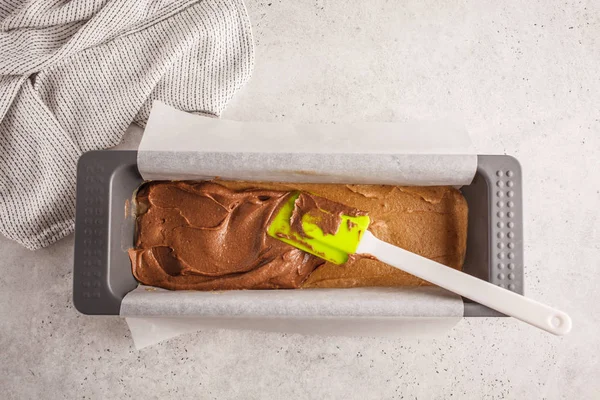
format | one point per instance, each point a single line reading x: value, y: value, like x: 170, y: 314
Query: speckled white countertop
x: 525, y: 79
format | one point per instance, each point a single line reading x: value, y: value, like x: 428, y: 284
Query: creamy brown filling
x: 212, y: 236
x: 205, y: 236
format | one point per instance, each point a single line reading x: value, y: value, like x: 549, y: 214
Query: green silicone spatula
x: 333, y: 235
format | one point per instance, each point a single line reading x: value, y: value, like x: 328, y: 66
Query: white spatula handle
x: 497, y: 298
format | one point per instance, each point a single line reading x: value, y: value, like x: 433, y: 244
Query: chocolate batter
x: 212, y: 236
x: 204, y: 236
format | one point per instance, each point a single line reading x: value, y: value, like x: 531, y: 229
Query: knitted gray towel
x: 73, y: 76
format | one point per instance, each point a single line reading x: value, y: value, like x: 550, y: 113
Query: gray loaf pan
x: 105, y: 228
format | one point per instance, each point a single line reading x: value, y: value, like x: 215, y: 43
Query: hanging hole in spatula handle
x: 560, y: 323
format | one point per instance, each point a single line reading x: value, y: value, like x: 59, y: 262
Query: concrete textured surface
x: 525, y: 78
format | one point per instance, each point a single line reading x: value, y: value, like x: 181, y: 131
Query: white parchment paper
x: 148, y: 331
x: 178, y: 145
x: 157, y: 314
x: 425, y: 301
